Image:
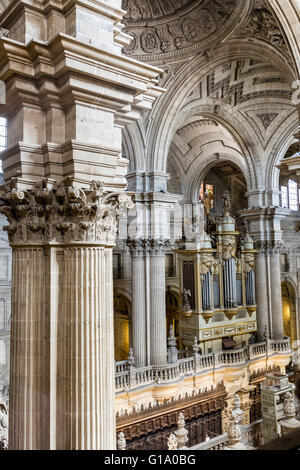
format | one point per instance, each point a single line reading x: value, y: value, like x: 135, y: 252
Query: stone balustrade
x: 216, y: 443
x: 251, y: 435
x: 279, y: 345
x: 258, y: 349
x: 121, y: 366
x: 130, y: 377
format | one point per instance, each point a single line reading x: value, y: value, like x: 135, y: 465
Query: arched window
x: 290, y: 196
x: 207, y: 190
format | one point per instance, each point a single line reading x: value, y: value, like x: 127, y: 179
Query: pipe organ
x: 217, y: 284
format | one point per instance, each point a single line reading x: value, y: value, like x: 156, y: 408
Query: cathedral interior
x: 149, y: 227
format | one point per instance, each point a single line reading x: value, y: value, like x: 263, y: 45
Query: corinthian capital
x: 157, y: 247
x: 269, y: 247
x: 136, y: 247
x: 60, y: 212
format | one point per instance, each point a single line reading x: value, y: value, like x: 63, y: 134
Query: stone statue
x: 266, y: 333
x: 195, y: 347
x: 130, y: 359
x: 172, y: 442
x: 236, y: 411
x: 186, y: 299
x: 289, y: 409
x: 227, y: 204
x: 121, y: 444
x: 3, y: 426
x: 289, y: 423
x: 181, y: 433
x: 208, y: 197
x: 234, y: 430
x: 172, y: 347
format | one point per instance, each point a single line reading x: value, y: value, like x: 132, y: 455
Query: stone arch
x: 172, y: 307
x: 122, y: 324
x: 279, y: 150
x: 134, y: 147
x: 289, y: 309
x: 163, y: 125
x: 250, y: 165
x: 205, y: 168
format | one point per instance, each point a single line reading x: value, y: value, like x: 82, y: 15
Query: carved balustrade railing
x: 121, y: 366
x: 183, y: 353
x: 280, y: 345
x: 252, y: 434
x: 216, y: 443
x: 122, y: 380
x: 131, y: 377
x: 258, y: 349
x: 237, y: 356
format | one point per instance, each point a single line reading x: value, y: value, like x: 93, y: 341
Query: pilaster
x: 139, y: 314
x: 265, y: 228
x: 158, y: 325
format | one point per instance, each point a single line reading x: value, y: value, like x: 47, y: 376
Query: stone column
x: 158, y: 334
x: 66, y: 106
x: 62, y: 367
x: 276, y: 295
x: 261, y: 289
x: 138, y: 289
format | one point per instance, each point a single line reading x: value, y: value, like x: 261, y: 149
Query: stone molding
x: 59, y: 212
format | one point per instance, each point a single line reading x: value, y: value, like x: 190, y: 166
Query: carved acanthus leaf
x: 59, y: 212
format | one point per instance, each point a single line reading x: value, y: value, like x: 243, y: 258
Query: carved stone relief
x: 59, y: 212
x: 164, y: 27
x: 262, y: 23
x: 267, y: 118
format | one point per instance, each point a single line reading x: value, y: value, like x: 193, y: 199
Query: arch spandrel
x: 288, y: 14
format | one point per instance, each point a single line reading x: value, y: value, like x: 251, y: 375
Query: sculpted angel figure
x: 186, y: 299
x: 227, y: 203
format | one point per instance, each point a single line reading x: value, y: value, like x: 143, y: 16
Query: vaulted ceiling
x: 163, y: 30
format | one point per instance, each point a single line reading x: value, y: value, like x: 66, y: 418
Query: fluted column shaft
x: 62, y: 374
x: 29, y: 372
x: 261, y: 289
x: 85, y: 391
x: 268, y: 289
x: 139, y: 323
x: 276, y: 295
x: 62, y: 383
x: 158, y: 336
